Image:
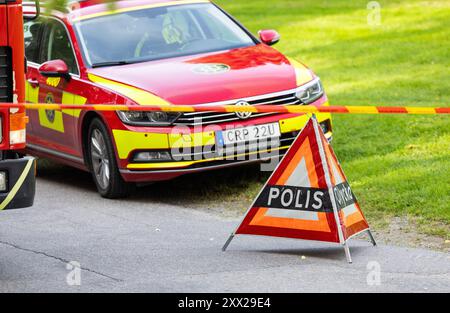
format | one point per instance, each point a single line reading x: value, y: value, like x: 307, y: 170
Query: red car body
x: 254, y: 73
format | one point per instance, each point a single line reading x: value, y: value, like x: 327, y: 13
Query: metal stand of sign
x: 225, y: 246
x: 371, y: 237
x: 347, y: 253
x: 347, y: 248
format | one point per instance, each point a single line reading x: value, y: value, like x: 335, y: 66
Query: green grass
x: 397, y: 165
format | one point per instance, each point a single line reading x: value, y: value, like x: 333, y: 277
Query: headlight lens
x: 140, y: 118
x: 310, y: 92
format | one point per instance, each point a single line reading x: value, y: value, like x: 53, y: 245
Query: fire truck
x: 17, y: 172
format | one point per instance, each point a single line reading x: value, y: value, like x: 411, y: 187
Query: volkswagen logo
x: 243, y: 115
x: 211, y: 68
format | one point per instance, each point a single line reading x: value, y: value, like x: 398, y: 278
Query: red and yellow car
x: 159, y: 52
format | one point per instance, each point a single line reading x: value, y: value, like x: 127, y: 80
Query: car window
x: 32, y: 31
x: 158, y: 33
x: 215, y: 26
x: 56, y: 45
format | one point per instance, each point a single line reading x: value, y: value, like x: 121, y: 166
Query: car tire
x: 102, y: 163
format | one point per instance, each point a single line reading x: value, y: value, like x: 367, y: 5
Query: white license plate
x: 247, y: 134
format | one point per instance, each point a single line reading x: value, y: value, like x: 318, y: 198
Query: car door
x: 52, y: 129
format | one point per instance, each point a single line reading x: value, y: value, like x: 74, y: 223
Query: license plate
x: 247, y: 134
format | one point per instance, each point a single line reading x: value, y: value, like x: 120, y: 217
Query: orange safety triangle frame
x: 307, y: 197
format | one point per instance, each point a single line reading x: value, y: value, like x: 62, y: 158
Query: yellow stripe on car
x: 302, y: 73
x: 127, y: 141
x: 32, y: 93
x: 56, y: 124
x: 137, y: 166
x: 73, y: 99
x: 139, y: 96
x: 51, y: 119
x: 137, y: 8
x: 292, y: 124
x: 189, y: 140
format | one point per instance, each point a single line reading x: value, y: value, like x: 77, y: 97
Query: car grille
x: 207, y: 118
x: 6, y: 81
x: 210, y: 152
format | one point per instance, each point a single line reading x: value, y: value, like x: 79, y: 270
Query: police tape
x: 261, y: 108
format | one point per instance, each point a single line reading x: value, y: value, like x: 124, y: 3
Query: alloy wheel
x: 100, y: 159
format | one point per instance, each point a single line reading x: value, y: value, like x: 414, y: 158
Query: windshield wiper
x: 110, y: 63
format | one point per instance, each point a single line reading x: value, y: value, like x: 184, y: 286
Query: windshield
x: 158, y: 33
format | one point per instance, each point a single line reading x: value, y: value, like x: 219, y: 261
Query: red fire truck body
x: 17, y: 173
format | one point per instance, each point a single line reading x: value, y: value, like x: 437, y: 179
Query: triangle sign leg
x: 347, y: 253
x: 225, y: 246
x: 371, y: 237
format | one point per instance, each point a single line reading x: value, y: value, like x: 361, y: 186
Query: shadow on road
x: 328, y: 253
x: 213, y: 186
x: 64, y: 175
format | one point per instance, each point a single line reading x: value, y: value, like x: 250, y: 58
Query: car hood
x: 233, y: 74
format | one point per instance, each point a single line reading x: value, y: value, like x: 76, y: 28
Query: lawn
x: 398, y: 165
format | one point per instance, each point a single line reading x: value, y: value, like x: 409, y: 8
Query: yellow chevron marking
x: 53, y: 81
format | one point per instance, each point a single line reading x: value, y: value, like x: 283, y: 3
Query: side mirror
x: 55, y: 68
x: 269, y: 37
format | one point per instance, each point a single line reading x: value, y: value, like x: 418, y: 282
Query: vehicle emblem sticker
x: 243, y: 115
x: 211, y: 68
x: 50, y: 113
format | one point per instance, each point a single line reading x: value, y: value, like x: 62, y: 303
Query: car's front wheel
x: 103, y: 165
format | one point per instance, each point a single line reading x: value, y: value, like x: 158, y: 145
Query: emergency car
x: 159, y: 52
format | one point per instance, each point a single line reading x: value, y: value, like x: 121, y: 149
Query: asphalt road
x: 141, y: 245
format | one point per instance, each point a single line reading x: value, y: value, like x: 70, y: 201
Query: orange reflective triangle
x: 351, y: 217
x: 307, y: 196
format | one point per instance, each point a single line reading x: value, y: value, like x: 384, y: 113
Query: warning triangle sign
x: 307, y: 197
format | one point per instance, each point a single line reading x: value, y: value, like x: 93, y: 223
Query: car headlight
x: 310, y: 92
x: 142, y: 118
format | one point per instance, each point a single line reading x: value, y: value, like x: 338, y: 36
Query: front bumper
x: 20, y: 176
x: 200, y: 145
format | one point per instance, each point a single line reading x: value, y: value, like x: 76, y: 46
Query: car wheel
x: 103, y: 165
